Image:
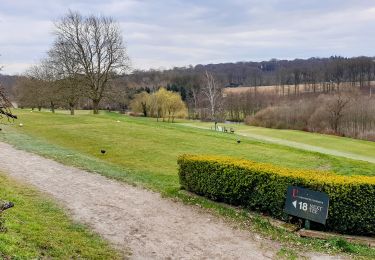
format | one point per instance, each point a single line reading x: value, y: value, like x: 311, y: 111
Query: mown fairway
x: 145, y: 151
x: 37, y: 228
x: 341, y: 144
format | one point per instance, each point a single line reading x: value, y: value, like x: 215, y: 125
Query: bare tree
x: 213, y: 93
x: 70, y: 82
x: 337, y: 69
x: 297, y: 74
x: 44, y: 88
x: 29, y: 93
x: 98, y: 49
x: 5, y: 105
x: 336, y: 109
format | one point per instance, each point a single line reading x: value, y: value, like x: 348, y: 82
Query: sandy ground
x: 134, y: 219
x: 297, y: 145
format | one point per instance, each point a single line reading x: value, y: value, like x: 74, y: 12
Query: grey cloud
x: 171, y: 33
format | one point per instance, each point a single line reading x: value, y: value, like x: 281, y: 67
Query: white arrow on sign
x: 294, y: 203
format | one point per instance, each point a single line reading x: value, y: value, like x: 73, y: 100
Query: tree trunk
x: 52, y: 107
x: 95, y: 104
x: 144, y: 108
x: 71, y: 108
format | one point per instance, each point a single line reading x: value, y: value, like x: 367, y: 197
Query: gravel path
x: 134, y: 219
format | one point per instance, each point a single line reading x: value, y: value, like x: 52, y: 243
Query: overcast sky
x: 168, y: 33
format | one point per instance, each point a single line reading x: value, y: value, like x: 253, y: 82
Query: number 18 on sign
x: 307, y: 204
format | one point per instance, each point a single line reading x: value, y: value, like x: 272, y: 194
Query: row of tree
x: 336, y: 69
x: 88, y: 53
x: 349, y: 114
x: 85, y: 67
x: 87, y: 61
x: 290, y: 79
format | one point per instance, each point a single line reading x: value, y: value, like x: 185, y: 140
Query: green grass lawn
x: 143, y: 151
x: 37, y: 228
x: 342, y: 144
x: 147, y: 150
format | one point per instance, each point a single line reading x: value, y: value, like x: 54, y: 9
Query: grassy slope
x: 143, y: 151
x: 150, y: 149
x: 342, y: 144
x: 37, y: 228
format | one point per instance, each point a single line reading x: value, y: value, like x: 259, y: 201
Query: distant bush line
x: 344, y: 114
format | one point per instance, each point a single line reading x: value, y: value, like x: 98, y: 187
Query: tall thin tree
x: 213, y: 93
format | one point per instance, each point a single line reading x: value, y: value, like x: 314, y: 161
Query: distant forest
x: 328, y: 95
x: 274, y: 72
x: 336, y: 69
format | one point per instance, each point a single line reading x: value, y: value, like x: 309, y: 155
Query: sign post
x: 307, y: 204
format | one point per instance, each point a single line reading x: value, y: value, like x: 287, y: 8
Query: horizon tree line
x: 87, y: 55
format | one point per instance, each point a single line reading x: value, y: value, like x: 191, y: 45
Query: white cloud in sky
x: 169, y: 33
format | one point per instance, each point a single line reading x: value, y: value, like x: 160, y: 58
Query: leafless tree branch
x: 96, y: 46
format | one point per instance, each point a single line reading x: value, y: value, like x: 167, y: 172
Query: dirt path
x: 297, y: 145
x: 134, y: 219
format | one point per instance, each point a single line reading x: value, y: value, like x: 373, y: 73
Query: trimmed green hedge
x: 263, y: 187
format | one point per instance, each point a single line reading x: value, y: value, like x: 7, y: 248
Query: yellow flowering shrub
x: 261, y: 186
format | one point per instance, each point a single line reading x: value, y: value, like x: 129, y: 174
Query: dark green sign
x: 307, y: 204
